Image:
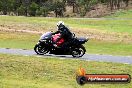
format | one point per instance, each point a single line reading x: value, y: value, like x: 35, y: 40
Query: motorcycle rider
x: 64, y: 33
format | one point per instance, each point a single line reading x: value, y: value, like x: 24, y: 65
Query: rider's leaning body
x: 64, y: 33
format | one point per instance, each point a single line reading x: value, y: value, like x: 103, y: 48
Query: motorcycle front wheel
x: 40, y: 50
x: 78, y: 51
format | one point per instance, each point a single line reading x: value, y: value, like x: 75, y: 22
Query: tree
x: 85, y: 5
x: 42, y: 11
x: 26, y: 4
x: 32, y: 9
x: 72, y: 3
x: 59, y: 8
x: 0, y: 5
x: 21, y: 10
x: 126, y: 2
x: 4, y: 6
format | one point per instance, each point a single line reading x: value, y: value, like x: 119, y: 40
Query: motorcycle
x: 45, y: 45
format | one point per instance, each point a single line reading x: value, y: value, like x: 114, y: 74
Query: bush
x: 38, y: 12
x: 85, y: 5
x: 43, y: 11
x: 21, y: 10
x: 32, y: 9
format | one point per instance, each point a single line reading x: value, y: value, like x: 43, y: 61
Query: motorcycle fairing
x: 55, y: 37
x: 82, y: 40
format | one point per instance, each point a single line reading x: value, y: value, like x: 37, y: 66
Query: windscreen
x: 46, y: 35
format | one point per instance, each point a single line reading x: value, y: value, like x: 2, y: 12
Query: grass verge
x: 41, y: 23
x: 18, y: 40
x: 121, y: 14
x: 35, y: 72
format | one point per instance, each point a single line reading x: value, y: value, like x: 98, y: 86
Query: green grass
x: 35, y: 72
x: 41, y: 23
x: 112, y: 48
x: 121, y: 14
x: 28, y: 41
x: 18, y: 40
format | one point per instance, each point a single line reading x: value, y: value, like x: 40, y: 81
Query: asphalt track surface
x: 87, y: 57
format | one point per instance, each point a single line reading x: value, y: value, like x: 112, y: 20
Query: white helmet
x: 60, y: 23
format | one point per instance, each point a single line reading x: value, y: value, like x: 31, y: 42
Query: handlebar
x: 73, y: 35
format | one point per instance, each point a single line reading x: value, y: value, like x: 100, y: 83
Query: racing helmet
x: 60, y: 24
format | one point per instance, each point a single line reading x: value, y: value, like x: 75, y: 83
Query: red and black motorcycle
x: 45, y: 45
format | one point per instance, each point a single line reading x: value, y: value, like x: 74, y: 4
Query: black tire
x: 78, y: 51
x: 38, y: 49
x: 81, y: 80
